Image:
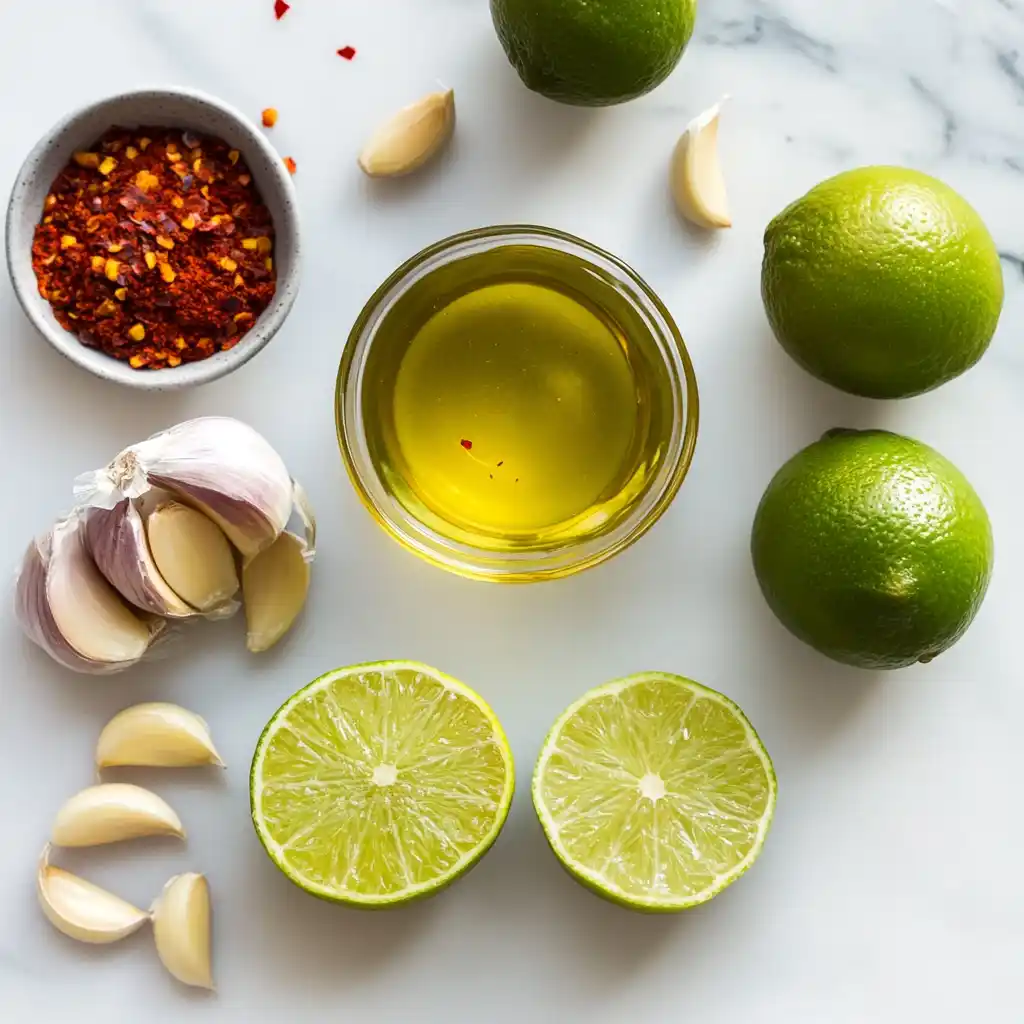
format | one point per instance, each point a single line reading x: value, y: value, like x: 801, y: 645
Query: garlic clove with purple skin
x: 67, y: 607
x: 216, y: 464
x: 116, y: 539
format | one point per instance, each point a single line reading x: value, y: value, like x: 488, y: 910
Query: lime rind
x: 409, y: 893
x: 598, y: 882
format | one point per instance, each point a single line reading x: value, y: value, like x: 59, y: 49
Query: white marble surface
x: 890, y: 889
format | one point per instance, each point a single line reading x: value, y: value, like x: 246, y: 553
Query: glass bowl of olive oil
x: 514, y: 404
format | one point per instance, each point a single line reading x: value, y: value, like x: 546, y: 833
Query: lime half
x: 655, y: 792
x: 379, y: 784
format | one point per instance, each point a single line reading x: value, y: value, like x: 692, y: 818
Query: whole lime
x: 873, y: 549
x: 594, y: 53
x: 882, y: 281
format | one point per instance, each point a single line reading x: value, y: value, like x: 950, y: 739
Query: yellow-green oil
x: 515, y: 398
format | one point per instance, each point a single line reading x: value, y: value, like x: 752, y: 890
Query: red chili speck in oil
x: 347, y: 52
x: 281, y: 9
x: 468, y: 445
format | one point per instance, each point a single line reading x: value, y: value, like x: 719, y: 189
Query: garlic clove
x: 193, y: 555
x: 406, y: 141
x: 116, y: 538
x: 112, y: 812
x: 274, y: 587
x: 181, y: 927
x: 67, y: 607
x: 81, y: 910
x: 216, y: 464
x: 698, y: 185
x: 156, y: 735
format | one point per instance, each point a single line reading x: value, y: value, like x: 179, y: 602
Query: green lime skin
x: 594, y: 53
x: 873, y: 548
x: 882, y: 281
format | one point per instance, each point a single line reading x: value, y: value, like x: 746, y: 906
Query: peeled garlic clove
x: 192, y: 555
x: 157, y: 735
x: 411, y: 137
x: 696, y: 175
x: 68, y: 608
x: 112, y: 812
x: 84, y: 911
x: 274, y: 587
x: 181, y: 927
x: 116, y: 538
x: 216, y: 464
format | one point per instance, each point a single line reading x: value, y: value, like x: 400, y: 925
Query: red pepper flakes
x: 290, y: 164
x: 133, y: 259
x: 347, y: 52
x: 281, y: 9
x: 269, y: 117
x: 468, y: 445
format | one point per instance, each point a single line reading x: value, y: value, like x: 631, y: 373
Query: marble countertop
x: 889, y: 889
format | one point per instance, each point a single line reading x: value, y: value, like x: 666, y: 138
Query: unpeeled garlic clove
x: 156, y: 735
x: 406, y: 141
x: 112, y: 812
x: 181, y: 927
x: 81, y: 910
x: 193, y: 555
x: 216, y: 464
x: 66, y: 606
x: 274, y: 588
x: 698, y: 185
x: 116, y: 539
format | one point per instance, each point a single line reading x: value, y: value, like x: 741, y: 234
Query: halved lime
x: 378, y: 784
x: 655, y: 792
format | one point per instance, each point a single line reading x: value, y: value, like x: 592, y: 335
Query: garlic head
x: 410, y: 138
x: 181, y: 927
x: 156, y: 735
x: 698, y: 185
x: 112, y: 812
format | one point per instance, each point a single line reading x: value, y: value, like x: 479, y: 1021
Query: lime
x: 379, y: 784
x: 882, y: 281
x: 655, y: 792
x: 873, y: 549
x: 594, y: 53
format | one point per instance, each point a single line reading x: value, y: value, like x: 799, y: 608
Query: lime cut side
x: 378, y: 784
x: 655, y: 791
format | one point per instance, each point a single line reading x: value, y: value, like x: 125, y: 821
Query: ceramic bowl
x: 171, y: 107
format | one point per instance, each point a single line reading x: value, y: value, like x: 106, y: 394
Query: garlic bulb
x: 181, y: 927
x: 157, y: 735
x: 216, y: 464
x: 81, y: 910
x: 113, y: 812
x: 116, y: 539
x: 193, y: 555
x: 68, y: 608
x: 274, y: 587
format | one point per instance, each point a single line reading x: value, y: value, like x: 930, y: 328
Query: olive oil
x: 515, y: 399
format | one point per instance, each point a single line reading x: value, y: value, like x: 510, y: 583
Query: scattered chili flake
x: 281, y: 9
x: 468, y: 445
x: 290, y: 164
x: 269, y: 117
x: 347, y: 52
x: 131, y: 193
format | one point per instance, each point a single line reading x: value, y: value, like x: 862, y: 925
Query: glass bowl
x: 387, y: 487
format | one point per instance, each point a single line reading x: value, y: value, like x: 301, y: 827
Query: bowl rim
x: 116, y: 371
x: 478, y: 563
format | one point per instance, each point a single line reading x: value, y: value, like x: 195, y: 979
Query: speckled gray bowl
x: 172, y: 107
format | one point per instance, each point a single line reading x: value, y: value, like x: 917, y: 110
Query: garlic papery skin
x: 216, y: 464
x: 112, y: 812
x: 181, y: 927
x: 69, y: 609
x: 698, y: 185
x: 408, y: 139
x: 158, y: 736
x: 192, y: 554
x: 274, y: 588
x: 116, y: 539
x: 81, y: 910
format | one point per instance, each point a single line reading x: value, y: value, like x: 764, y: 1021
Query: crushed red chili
x: 281, y: 9
x: 290, y: 164
x: 269, y: 117
x: 468, y: 445
x: 347, y: 52
x: 155, y: 247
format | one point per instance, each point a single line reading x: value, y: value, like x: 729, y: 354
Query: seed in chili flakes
x: 281, y: 9
x: 177, y: 208
x: 290, y: 164
x: 269, y: 117
x: 347, y: 52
